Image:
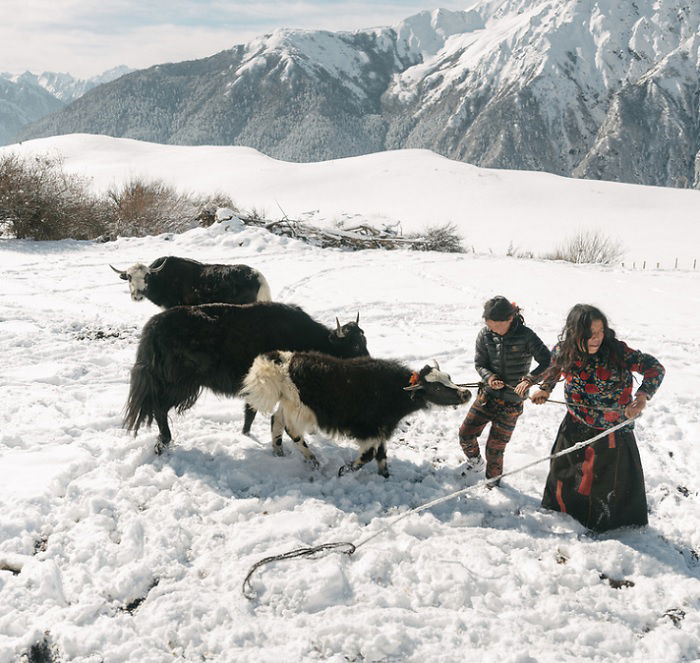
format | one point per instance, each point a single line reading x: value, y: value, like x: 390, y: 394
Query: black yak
x: 187, y: 348
x: 363, y: 398
x: 171, y: 281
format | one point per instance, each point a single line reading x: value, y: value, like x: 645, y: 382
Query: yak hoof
x: 384, y: 473
x: 278, y: 450
x: 344, y: 469
x: 160, y: 446
x: 315, y: 465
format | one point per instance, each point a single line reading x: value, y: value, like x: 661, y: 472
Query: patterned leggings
x: 503, y: 416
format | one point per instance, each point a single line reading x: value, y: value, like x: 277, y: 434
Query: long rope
x: 493, y: 480
x: 481, y: 385
x: 350, y: 548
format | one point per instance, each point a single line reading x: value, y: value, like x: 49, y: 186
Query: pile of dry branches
x: 363, y: 236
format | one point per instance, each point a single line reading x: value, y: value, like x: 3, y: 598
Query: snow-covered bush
x: 445, y: 239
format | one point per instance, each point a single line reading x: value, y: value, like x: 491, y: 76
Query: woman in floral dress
x: 601, y: 485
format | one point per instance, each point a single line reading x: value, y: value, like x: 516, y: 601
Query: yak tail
x: 264, y: 294
x: 267, y: 381
x: 145, y: 386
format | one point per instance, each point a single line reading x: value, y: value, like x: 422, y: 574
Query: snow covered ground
x: 126, y: 556
x: 494, y: 209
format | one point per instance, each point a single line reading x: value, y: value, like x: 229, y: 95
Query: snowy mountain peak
x: 337, y: 56
x: 63, y: 86
x: 427, y: 31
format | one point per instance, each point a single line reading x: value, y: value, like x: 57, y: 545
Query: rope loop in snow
x: 344, y: 547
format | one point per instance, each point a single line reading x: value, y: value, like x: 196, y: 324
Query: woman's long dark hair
x: 575, y: 334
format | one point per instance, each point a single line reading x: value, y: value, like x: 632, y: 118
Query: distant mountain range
x: 28, y: 97
x: 602, y: 90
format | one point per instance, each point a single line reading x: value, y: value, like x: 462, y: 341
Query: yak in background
x: 172, y: 281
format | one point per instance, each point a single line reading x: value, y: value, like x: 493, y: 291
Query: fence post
x: 676, y: 265
x: 644, y: 265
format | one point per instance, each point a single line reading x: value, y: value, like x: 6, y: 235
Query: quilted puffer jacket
x: 509, y: 358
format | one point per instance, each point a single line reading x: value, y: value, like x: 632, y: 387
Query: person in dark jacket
x: 505, y: 348
x: 601, y: 485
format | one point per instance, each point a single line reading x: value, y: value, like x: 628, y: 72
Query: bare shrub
x: 254, y: 216
x: 445, y: 239
x: 588, y: 246
x: 38, y: 200
x: 522, y: 254
x: 150, y: 208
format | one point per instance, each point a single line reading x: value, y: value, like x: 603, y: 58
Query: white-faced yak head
x: 437, y: 387
x: 137, y: 276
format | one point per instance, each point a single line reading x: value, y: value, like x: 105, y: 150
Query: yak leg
x: 369, y: 449
x: 248, y: 416
x: 277, y: 426
x: 164, y: 436
x: 380, y: 455
x: 301, y: 444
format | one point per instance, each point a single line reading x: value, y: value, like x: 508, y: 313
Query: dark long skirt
x: 601, y: 485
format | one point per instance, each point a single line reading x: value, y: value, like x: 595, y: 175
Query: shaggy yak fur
x: 187, y: 348
x: 362, y: 398
x: 171, y: 281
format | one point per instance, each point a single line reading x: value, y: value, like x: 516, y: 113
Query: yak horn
x: 338, y: 329
x: 436, y: 366
x: 357, y: 320
x: 155, y: 270
x: 119, y: 271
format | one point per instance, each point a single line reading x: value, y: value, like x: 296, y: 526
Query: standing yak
x: 362, y: 398
x: 187, y: 348
x: 171, y: 281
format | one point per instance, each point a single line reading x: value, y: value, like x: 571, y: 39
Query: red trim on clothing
x: 587, y: 467
x: 560, y: 501
x: 611, y: 440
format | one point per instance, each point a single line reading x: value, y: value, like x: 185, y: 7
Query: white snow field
x: 112, y: 553
x: 496, y: 209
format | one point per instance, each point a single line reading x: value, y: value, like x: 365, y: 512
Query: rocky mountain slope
x: 599, y: 89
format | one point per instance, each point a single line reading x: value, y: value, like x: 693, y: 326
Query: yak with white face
x: 172, y: 281
x: 362, y: 398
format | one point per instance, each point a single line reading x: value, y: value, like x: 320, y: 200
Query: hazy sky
x: 87, y: 37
